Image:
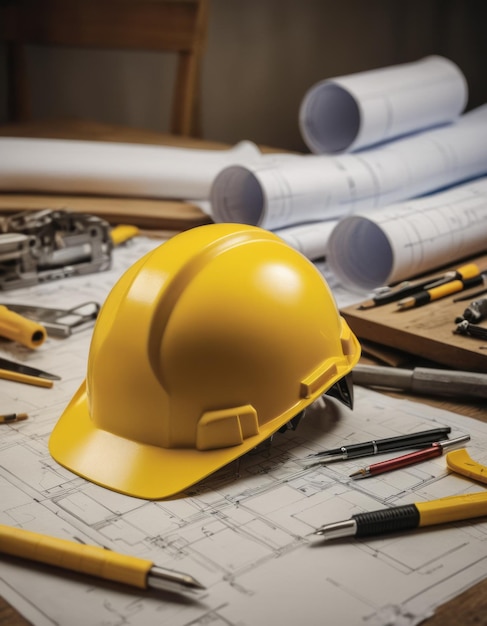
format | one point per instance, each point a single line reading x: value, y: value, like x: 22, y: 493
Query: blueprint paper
x: 119, y: 169
x: 347, y: 113
x: 245, y: 532
x: 388, y: 245
x: 310, y: 239
x: 323, y: 187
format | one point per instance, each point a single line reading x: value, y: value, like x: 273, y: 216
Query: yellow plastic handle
x: 76, y: 557
x: 19, y: 328
x: 461, y: 462
x: 469, y: 271
x: 452, y: 509
x: 123, y: 233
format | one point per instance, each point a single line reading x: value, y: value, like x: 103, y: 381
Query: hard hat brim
x: 147, y: 471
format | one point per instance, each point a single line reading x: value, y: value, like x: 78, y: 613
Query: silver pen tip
x: 170, y: 580
x: 346, y: 528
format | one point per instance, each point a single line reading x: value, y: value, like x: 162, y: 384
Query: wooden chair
x: 176, y: 26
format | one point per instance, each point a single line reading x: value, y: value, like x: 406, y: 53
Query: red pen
x: 436, y: 449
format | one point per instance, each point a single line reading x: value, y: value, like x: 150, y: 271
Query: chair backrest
x: 177, y: 26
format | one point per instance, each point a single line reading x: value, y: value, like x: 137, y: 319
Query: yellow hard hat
x: 203, y: 349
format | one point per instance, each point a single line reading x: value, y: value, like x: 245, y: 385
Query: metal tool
x: 475, y: 312
x: 45, y: 245
x: 471, y: 330
x: 426, y: 380
x: 27, y: 370
x: 60, y: 322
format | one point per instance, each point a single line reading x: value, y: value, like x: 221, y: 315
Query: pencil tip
x: 358, y: 474
x: 368, y: 304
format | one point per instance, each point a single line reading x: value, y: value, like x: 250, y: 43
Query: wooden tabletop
x: 468, y: 608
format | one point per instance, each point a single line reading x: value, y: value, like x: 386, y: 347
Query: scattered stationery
x: 408, y: 288
x: 436, y: 449
x: 429, y: 295
x: 21, y: 373
x: 378, y: 446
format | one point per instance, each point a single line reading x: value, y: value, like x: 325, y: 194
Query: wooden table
x: 470, y: 607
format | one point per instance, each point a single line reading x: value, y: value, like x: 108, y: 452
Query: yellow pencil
x: 93, y: 560
x: 25, y: 378
x: 8, y: 418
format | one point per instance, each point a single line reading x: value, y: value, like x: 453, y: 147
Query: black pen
x: 390, y: 444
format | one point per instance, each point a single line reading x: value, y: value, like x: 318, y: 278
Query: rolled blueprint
x: 352, y: 112
x: 309, y: 239
x: 380, y: 247
x: 120, y: 169
x: 322, y: 187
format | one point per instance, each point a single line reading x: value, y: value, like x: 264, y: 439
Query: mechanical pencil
x: 428, y: 295
x: 92, y: 560
x: 436, y: 449
x: 406, y: 289
x: 408, y: 517
x: 377, y: 446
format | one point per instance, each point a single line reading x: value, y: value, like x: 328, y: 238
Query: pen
x: 427, y: 380
x: 370, y: 448
x: 408, y: 516
x: 92, y: 560
x: 428, y: 295
x: 396, y: 293
x: 469, y: 296
x: 436, y: 449
x: 12, y: 417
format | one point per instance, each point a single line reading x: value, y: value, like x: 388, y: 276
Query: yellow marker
x: 18, y: 328
x: 92, y: 560
x: 17, y: 377
x: 8, y: 418
x: 123, y: 233
x: 428, y: 295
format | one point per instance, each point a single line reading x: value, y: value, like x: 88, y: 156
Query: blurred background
x: 261, y: 57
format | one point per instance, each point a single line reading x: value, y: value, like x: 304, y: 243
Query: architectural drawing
x: 245, y: 532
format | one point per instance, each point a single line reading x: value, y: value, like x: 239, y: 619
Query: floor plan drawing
x: 245, y: 532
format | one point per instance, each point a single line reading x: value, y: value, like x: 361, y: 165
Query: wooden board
x: 141, y: 212
x: 426, y: 331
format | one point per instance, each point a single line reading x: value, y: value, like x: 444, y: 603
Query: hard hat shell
x: 203, y: 349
